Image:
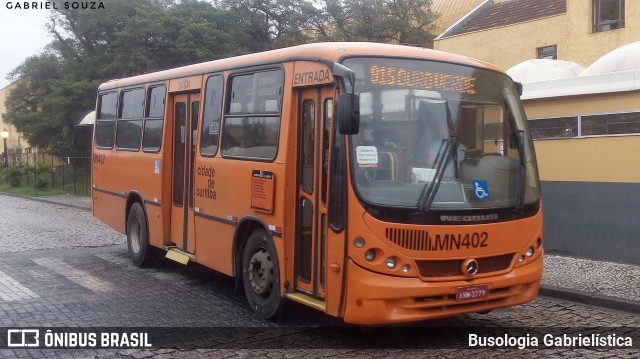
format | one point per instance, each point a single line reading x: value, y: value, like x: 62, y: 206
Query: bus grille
x: 453, y: 267
x: 413, y: 239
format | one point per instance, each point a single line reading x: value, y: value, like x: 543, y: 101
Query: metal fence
x: 71, y: 173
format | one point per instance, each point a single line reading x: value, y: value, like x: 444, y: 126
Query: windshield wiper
x: 428, y: 194
x: 448, y: 150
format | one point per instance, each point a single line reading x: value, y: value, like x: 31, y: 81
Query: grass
x: 31, y: 191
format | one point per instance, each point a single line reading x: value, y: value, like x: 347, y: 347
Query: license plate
x: 472, y: 292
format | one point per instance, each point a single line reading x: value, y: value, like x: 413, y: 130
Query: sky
x: 23, y: 33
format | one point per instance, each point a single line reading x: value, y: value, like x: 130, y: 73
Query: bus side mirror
x: 519, y: 88
x: 348, y: 112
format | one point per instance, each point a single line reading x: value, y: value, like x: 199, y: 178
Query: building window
x: 624, y: 123
x: 548, y: 52
x: 611, y: 124
x: 608, y: 15
x: 559, y: 127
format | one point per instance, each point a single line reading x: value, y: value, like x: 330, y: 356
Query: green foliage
x: 406, y: 22
x: 56, y: 88
x: 30, y: 191
x: 39, y: 169
x: 41, y: 183
x: 12, y: 175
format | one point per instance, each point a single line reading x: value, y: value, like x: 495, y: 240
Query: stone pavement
x: 586, y: 281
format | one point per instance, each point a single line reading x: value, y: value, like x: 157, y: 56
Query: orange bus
x: 377, y: 183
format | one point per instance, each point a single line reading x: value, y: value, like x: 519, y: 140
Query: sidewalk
x: 605, y: 284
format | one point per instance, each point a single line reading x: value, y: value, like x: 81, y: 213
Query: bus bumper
x: 374, y: 298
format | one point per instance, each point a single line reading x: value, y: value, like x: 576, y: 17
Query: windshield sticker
x: 423, y: 175
x: 481, y: 190
x: 367, y: 156
x: 214, y: 128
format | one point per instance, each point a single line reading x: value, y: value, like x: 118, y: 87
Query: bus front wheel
x: 138, y: 236
x: 260, y: 275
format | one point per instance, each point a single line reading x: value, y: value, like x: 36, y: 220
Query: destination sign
x: 403, y: 77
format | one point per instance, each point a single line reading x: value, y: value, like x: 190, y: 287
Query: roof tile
x: 510, y: 12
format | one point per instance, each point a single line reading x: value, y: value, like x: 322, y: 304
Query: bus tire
x: 261, y: 276
x: 138, y: 236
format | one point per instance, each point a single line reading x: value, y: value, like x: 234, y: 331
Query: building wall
x: 587, y: 159
x: 590, y: 185
x: 583, y: 46
x: 509, y: 45
x: 571, y: 32
x: 15, y: 140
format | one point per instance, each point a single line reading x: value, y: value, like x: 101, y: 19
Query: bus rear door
x: 186, y: 108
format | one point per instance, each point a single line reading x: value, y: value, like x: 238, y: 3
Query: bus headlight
x: 530, y: 252
x: 406, y: 268
x: 391, y: 262
x: 370, y: 255
x: 359, y: 242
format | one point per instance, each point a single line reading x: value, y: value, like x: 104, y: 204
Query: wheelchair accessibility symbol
x: 481, y: 190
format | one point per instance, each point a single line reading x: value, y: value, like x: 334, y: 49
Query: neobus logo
x: 479, y: 218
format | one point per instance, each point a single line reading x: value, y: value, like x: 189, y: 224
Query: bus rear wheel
x: 260, y: 275
x: 138, y: 237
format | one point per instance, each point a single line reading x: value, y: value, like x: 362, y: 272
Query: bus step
x: 178, y: 255
x: 307, y: 300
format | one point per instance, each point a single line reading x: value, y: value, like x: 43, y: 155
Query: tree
x: 58, y: 87
x: 406, y: 22
x: 273, y: 23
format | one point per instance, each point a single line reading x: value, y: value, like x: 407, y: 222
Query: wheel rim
x: 135, y: 233
x: 260, y: 272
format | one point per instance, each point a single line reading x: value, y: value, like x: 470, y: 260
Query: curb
x: 85, y: 208
x: 590, y: 299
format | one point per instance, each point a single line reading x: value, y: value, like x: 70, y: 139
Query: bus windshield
x: 436, y: 135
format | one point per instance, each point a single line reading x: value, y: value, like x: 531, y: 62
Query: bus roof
x: 331, y: 51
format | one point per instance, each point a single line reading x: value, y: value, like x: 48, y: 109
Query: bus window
x: 211, y: 116
x: 106, y: 120
x: 308, y: 145
x: 178, y: 153
x: 129, y: 126
x: 152, y: 139
x: 328, y: 115
x: 252, y: 121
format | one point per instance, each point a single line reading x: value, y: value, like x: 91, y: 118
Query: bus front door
x: 186, y: 109
x: 315, y: 113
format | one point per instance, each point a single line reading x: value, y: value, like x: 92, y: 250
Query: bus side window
x: 129, y: 125
x: 106, y: 120
x: 252, y: 117
x: 152, y: 137
x: 211, y: 117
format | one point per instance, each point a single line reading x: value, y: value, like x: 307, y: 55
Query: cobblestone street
x: 60, y: 267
